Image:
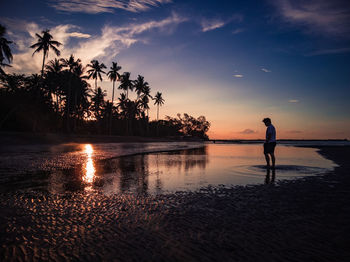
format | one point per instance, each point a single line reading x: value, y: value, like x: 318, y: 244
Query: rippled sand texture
x: 302, y: 220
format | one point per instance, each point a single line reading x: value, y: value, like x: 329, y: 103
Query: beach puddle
x: 140, y: 169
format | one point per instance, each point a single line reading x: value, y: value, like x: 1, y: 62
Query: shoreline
x: 27, y: 138
x: 297, y: 220
x: 24, y: 138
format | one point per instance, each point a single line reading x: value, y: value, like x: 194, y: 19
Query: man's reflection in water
x: 270, y: 178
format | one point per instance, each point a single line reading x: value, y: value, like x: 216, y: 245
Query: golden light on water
x: 89, y: 175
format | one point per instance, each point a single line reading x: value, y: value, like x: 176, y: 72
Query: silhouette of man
x: 270, y: 143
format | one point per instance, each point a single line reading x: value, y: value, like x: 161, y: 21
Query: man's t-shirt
x: 270, y: 132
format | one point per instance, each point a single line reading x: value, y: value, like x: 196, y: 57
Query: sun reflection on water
x: 89, y: 174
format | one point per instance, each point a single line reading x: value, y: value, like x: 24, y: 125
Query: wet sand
x: 300, y: 220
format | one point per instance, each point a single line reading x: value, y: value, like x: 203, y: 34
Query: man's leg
x: 273, y: 159
x: 267, y: 159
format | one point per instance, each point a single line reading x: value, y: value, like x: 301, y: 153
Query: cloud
x: 215, y: 23
x: 237, y: 31
x: 294, y: 132
x: 329, y: 51
x: 293, y: 101
x: 208, y: 25
x: 266, y: 70
x: 105, y: 6
x: 238, y: 76
x: 104, y: 46
x: 79, y: 35
x: 317, y: 16
x: 248, y: 131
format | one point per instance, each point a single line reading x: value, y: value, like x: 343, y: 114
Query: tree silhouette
x: 159, y: 101
x: 72, y: 66
x: 54, y: 66
x: 113, y: 75
x: 53, y: 70
x: 95, y: 71
x: 2, y: 64
x: 81, y: 90
x: 126, y: 83
x: 143, y: 93
x: 44, y: 44
x: 144, y: 103
x: 71, y: 63
x: 60, y: 99
x: 98, y: 104
x: 140, y: 85
x: 146, y: 95
x: 5, y: 50
x: 122, y: 105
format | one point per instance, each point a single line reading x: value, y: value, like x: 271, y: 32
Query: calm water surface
x: 134, y: 168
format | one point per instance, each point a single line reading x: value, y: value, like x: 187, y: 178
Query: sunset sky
x: 235, y: 62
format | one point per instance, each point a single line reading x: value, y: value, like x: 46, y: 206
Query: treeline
x: 60, y: 99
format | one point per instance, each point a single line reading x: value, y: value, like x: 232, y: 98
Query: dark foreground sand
x: 302, y: 220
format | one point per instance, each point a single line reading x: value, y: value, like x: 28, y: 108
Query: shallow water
x: 141, y: 168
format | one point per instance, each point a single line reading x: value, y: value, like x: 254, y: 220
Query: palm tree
x: 13, y: 82
x: 145, y: 97
x: 79, y: 83
x: 76, y: 69
x: 140, y: 85
x: 81, y: 93
x: 72, y: 65
x: 95, y: 71
x: 159, y: 101
x: 5, y: 51
x: 52, y: 75
x: 144, y: 104
x: 132, y: 112
x: 44, y: 44
x: 54, y: 66
x: 98, y: 102
x: 126, y: 83
x: 113, y: 75
x: 122, y: 105
x: 2, y: 64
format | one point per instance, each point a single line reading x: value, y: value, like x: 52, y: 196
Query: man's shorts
x: 269, y: 148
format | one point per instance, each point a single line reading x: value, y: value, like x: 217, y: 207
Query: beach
x: 304, y: 219
x: 160, y: 130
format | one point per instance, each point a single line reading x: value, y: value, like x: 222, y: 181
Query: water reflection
x: 147, y: 173
x: 89, y: 174
x: 188, y: 159
x: 188, y: 169
x: 270, y: 176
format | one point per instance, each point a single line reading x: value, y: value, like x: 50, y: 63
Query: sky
x: 235, y: 62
